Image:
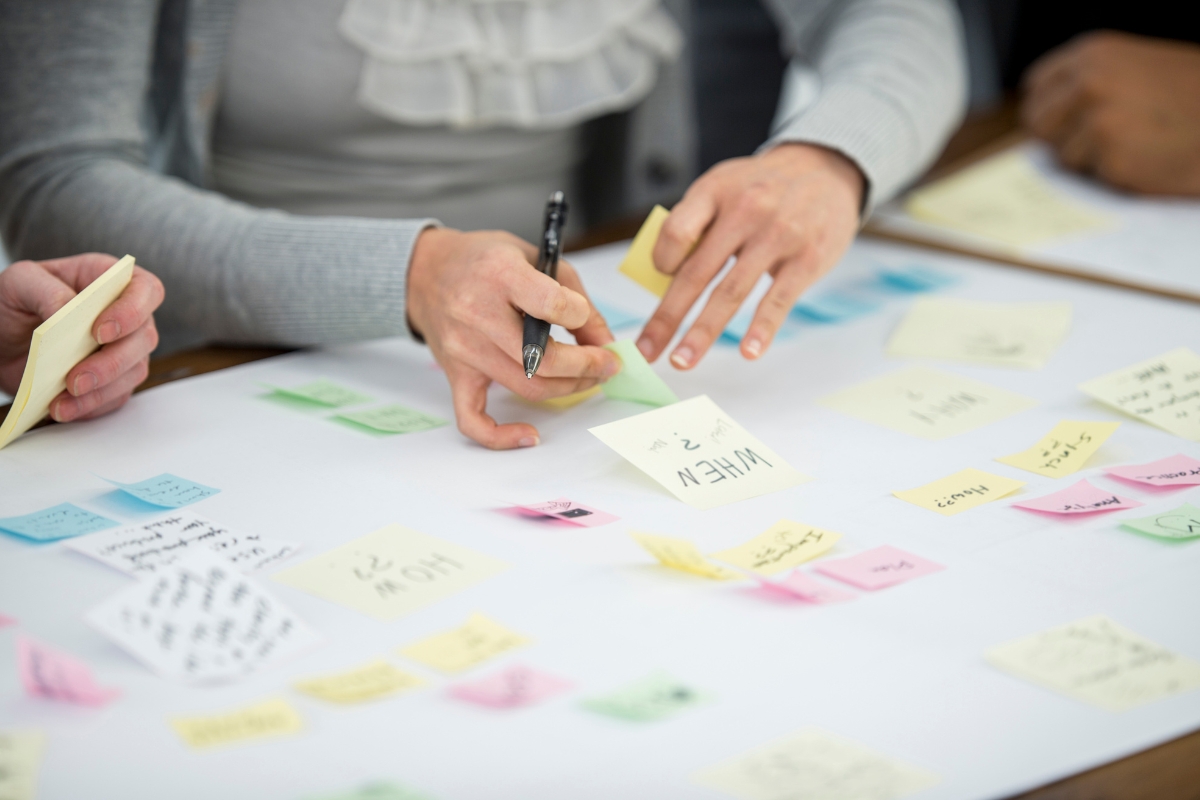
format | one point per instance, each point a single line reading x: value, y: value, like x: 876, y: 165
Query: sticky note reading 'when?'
x: 782, y: 546
x: 1163, y: 391
x: 20, y: 757
x: 570, y: 400
x: 1181, y: 523
x: 1063, y: 450
x: 1099, y: 662
x: 699, y: 453
x: 58, y: 522
x: 655, y: 697
x: 572, y: 512
x: 511, y: 687
x: 802, y: 586
x: 368, y: 682
x: 55, y: 675
x: 375, y: 791
x: 260, y: 721
x: 1020, y: 335
x: 926, y: 403
x: 393, y: 419
x: 1177, y: 470
x: 879, y: 568
x: 166, y: 491
x: 323, y: 393
x: 144, y: 549
x: 637, y: 381
x: 682, y: 555
x: 813, y: 764
x: 391, y: 572
x: 1079, y: 498
x: 466, y: 646
x: 961, y: 491
x: 639, y: 261
x: 235, y: 628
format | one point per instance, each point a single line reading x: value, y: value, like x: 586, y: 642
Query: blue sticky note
x: 736, y: 330
x: 167, y: 490
x: 832, y: 307
x: 913, y: 279
x: 59, y: 522
x: 616, y: 317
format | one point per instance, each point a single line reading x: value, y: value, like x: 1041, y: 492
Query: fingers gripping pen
x: 537, y: 331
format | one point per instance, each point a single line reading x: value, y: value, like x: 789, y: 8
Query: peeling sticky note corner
x: 682, y: 555
x: 637, y: 381
x: 638, y: 263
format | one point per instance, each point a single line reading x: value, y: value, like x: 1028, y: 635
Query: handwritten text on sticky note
x: 1177, y: 470
x: 782, y: 546
x: 514, y: 686
x: 58, y: 522
x: 1079, y: 498
x: 1163, y: 391
x: 472, y: 643
x: 368, y: 682
x: 259, y: 721
x: 879, y: 568
x: 1179, y: 523
x: 1063, y: 450
x: 961, y: 491
x: 167, y: 490
x: 55, y: 675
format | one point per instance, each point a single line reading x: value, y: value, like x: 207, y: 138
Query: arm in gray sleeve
x: 74, y: 177
x: 887, y: 83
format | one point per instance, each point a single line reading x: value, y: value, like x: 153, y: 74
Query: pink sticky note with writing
x: 803, y: 586
x: 1079, y: 498
x: 575, y: 513
x: 878, y: 568
x: 6, y: 621
x: 55, y: 675
x: 1177, y: 470
x: 511, y: 687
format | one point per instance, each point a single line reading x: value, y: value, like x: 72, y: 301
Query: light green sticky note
x: 636, y: 381
x: 1182, y: 523
x: 392, y: 419
x: 377, y: 791
x: 324, y: 393
x: 652, y: 698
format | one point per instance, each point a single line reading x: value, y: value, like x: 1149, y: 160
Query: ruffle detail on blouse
x: 520, y: 63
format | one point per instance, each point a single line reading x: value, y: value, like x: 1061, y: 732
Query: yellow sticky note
x: 1063, y: 450
x: 1099, y: 662
x: 260, y: 721
x: 464, y: 647
x: 20, y: 758
x: 1163, y: 391
x: 368, y: 682
x: 1003, y: 198
x: 682, y: 555
x: 960, y: 492
x: 570, y: 400
x: 782, y: 546
x: 59, y: 344
x: 639, y: 261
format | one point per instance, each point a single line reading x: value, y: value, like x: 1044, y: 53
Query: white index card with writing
x: 699, y: 454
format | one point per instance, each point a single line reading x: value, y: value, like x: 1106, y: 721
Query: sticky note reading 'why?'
x: 166, y: 490
x: 637, y: 381
x: 1181, y: 523
x: 961, y: 491
x: 782, y: 546
x: 639, y: 261
x: 1177, y: 470
x: 926, y: 403
x: 511, y: 687
x: 368, y: 682
x: 393, y: 419
x: 391, y: 572
x: 323, y: 393
x: 55, y: 675
x: 259, y: 721
x: 1063, y: 450
x: 682, y: 555
x: 878, y: 568
x: 699, y: 453
x: 466, y: 646
x: 20, y: 757
x: 1162, y: 391
x: 1079, y: 498
x: 58, y: 522
x: 655, y: 697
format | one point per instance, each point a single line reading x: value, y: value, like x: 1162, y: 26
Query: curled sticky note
x: 682, y: 555
x: 781, y: 546
x: 637, y: 380
x: 639, y: 261
x: 55, y: 675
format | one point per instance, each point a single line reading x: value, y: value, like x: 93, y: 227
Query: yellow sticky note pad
x: 1063, y: 450
x: 782, y: 546
x: 570, y: 400
x: 59, y: 344
x: 960, y: 492
x: 639, y: 261
x: 368, y: 682
x: 682, y: 555
x: 262, y: 720
x: 1162, y: 391
x: 464, y: 647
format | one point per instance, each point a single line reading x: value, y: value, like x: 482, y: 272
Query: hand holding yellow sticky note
x: 960, y: 492
x: 368, y: 682
x: 1063, y: 450
x: 782, y: 546
x: 464, y: 647
x: 682, y: 555
x: 270, y: 718
x: 639, y: 261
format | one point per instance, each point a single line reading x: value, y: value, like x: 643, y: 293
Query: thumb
x: 28, y: 287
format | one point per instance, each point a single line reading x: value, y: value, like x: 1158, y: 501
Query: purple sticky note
x: 1079, y: 498
x: 6, y: 621
x: 570, y: 511
x: 803, y: 586
x: 511, y: 687
x: 46, y: 672
x: 1177, y: 470
x: 878, y: 568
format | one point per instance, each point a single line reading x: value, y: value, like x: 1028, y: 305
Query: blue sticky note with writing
x: 913, y: 279
x: 167, y: 490
x: 832, y: 307
x: 59, y: 522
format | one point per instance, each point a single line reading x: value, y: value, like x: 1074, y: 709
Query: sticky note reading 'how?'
x: 961, y: 491
x: 20, y: 757
x: 55, y: 675
x: 637, y: 381
x: 1177, y: 470
x: 1162, y: 391
x: 1079, y: 498
x: 1063, y: 450
x: 166, y: 490
x: 58, y: 522
x: 782, y: 546
x: 879, y: 568
x: 474, y: 642
x: 655, y: 697
x: 392, y: 419
x: 511, y: 687
x: 639, y: 261
x: 682, y: 555
x: 260, y: 721
x: 324, y: 393
x: 368, y: 682
x: 1181, y: 523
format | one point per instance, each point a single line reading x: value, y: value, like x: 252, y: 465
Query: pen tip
x: 529, y: 375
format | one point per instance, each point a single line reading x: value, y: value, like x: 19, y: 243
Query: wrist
x: 803, y: 157
x: 429, y: 251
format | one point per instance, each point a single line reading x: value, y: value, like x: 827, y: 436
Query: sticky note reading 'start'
x: 1063, y: 450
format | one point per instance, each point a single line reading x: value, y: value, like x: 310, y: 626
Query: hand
x: 790, y: 212
x: 1126, y: 108
x: 30, y: 293
x: 466, y: 295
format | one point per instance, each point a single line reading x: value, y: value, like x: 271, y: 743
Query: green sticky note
x: 636, y: 381
x: 652, y: 698
x: 323, y: 393
x: 377, y: 791
x: 392, y: 419
x: 1182, y: 523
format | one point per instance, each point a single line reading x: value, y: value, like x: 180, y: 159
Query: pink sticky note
x: 803, y: 586
x: 1079, y: 498
x: 570, y: 511
x: 878, y: 568
x: 1178, y: 470
x: 56, y: 675
x: 6, y: 621
x: 511, y: 687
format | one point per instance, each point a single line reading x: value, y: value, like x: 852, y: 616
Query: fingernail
x: 644, y: 346
x: 753, y: 348
x: 528, y: 441
x: 108, y: 332
x: 682, y: 357
x: 84, y: 383
x: 64, y: 410
x: 611, y: 368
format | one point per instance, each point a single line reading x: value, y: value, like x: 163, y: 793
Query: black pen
x: 537, y: 331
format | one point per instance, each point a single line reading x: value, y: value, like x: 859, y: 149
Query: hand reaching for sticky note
x: 32, y: 291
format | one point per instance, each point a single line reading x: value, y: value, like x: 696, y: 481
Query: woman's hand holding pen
x: 466, y: 296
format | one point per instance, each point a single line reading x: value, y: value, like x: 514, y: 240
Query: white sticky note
x: 1163, y: 391
x: 699, y: 454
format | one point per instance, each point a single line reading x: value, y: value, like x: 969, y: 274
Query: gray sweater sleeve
x: 891, y: 83
x: 74, y: 177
